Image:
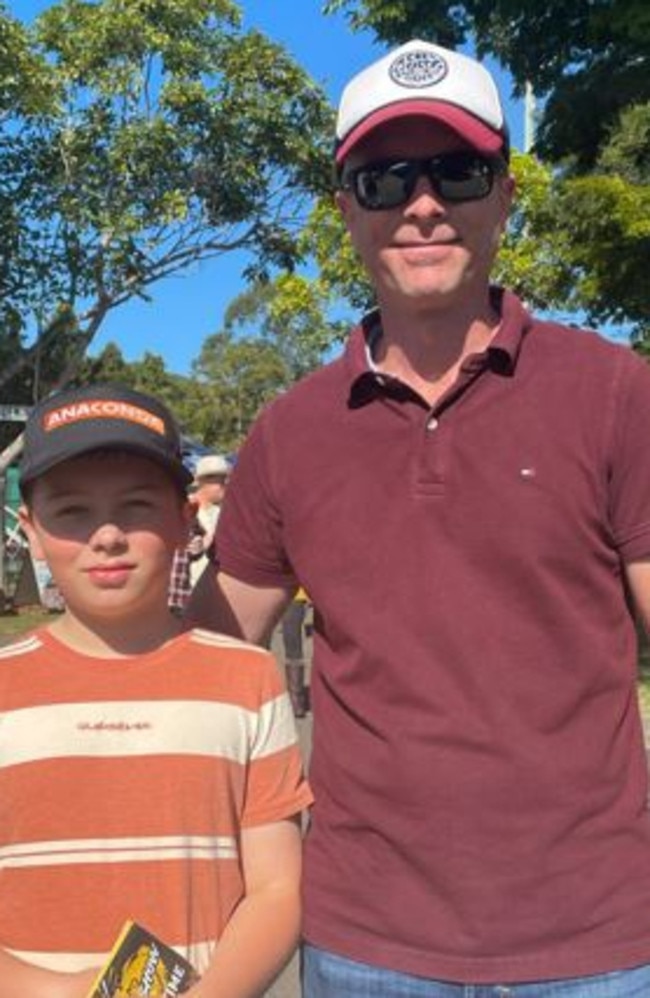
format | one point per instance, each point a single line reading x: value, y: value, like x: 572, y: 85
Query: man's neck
x: 426, y: 350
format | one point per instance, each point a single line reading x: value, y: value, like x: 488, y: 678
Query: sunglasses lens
x: 455, y: 177
x: 462, y: 177
x: 385, y: 185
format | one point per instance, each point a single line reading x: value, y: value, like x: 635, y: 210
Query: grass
x: 26, y: 619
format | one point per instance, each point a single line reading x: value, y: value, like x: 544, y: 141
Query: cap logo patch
x: 417, y: 69
x: 102, y: 409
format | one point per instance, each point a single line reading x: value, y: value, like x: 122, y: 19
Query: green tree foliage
x: 149, y: 374
x: 169, y: 136
x: 25, y: 89
x: 233, y: 378
x: 109, y: 365
x: 530, y: 259
x: 290, y: 314
x: 273, y: 333
x: 26, y: 83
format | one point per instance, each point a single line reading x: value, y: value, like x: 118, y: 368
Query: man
x: 465, y: 495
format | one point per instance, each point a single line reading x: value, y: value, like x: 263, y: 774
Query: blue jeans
x: 325, y: 975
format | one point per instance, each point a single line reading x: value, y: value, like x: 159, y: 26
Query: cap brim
x: 177, y: 471
x: 466, y: 126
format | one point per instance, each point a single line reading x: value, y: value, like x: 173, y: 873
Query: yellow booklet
x: 140, y: 963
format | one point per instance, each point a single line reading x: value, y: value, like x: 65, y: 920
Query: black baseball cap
x: 101, y: 417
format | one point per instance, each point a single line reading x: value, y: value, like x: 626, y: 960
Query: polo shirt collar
x: 367, y: 383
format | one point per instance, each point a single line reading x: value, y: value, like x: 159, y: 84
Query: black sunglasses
x: 454, y: 176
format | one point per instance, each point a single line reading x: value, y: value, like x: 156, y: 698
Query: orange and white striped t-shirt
x: 124, y: 784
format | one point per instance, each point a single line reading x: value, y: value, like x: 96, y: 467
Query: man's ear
x: 509, y: 189
x: 27, y: 526
x: 342, y: 202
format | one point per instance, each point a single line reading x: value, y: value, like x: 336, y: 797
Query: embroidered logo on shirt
x: 114, y: 726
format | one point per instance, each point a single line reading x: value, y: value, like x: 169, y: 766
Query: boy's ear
x: 27, y: 526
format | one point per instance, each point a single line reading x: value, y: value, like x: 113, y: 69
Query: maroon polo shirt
x: 478, y: 762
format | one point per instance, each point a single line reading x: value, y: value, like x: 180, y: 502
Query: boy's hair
x: 106, y: 417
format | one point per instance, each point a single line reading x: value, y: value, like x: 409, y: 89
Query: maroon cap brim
x: 479, y: 135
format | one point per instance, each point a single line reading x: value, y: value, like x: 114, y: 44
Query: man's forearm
x: 222, y: 603
x: 209, y: 608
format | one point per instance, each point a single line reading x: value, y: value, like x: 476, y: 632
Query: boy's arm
x: 264, y: 929
x: 22, y: 980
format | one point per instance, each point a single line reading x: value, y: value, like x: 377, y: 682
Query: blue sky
x: 186, y: 309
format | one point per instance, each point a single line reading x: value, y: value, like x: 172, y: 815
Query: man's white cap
x: 211, y: 464
x: 423, y: 79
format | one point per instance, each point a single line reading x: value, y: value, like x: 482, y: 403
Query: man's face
x: 428, y: 253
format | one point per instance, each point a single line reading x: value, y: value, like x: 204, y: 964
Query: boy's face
x: 108, y: 525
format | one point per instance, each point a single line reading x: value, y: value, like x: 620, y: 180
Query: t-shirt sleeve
x: 276, y: 787
x: 250, y: 528
x: 629, y: 465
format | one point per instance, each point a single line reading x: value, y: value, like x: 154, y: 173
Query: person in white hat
x: 210, y: 480
x: 465, y: 495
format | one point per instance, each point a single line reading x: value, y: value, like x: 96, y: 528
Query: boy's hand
x: 76, y: 985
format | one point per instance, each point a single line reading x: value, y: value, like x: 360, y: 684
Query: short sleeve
x: 250, y: 529
x: 629, y: 465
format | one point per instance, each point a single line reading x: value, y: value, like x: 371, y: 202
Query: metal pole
x: 529, y: 117
x: 3, y: 574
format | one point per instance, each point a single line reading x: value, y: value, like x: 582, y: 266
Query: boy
x: 147, y: 771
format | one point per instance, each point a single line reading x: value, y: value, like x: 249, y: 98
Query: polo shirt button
x: 432, y: 424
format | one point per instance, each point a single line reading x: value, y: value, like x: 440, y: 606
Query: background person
x: 293, y: 640
x: 465, y: 495
x: 147, y: 771
x: 210, y: 479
